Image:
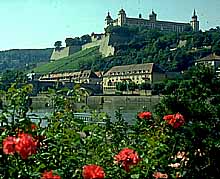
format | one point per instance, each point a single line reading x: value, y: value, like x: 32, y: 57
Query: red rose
x: 50, y: 175
x: 144, y: 115
x: 93, y: 172
x: 127, y: 157
x: 175, y: 120
x: 9, y: 145
x: 179, y: 120
x: 26, y: 145
x: 168, y: 117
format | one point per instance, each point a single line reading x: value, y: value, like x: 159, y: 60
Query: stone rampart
x: 64, y: 52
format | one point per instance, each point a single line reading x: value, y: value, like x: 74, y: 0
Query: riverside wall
x: 104, y: 103
x: 123, y: 102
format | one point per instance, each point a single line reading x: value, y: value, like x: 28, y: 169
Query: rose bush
x: 180, y: 139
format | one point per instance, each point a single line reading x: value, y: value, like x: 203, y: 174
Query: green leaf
x: 135, y: 176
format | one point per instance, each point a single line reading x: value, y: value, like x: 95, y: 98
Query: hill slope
x: 23, y: 58
x: 78, y: 61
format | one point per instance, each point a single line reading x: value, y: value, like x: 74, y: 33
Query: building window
x: 109, y: 83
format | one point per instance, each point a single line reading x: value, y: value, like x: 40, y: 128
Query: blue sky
x: 39, y: 23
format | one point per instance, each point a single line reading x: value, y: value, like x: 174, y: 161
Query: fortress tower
x: 194, y: 22
x: 108, y: 20
x: 153, y: 16
x: 121, y: 17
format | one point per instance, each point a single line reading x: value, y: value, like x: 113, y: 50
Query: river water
x: 128, y: 106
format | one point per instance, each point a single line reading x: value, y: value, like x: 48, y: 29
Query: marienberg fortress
x: 106, y: 41
x: 152, y: 22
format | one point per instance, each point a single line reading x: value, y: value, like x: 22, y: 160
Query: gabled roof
x: 132, y: 69
x: 75, y: 75
x: 211, y: 57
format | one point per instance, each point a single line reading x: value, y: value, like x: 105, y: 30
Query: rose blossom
x: 175, y: 120
x: 50, y: 175
x: 26, y: 145
x: 144, y: 115
x: 127, y: 157
x: 9, y: 145
x: 93, y: 172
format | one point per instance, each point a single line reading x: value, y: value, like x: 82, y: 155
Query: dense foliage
x: 78, y: 40
x: 181, y: 141
x: 173, y: 51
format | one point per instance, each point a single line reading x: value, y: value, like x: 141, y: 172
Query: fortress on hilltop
x: 152, y: 22
x: 106, y: 41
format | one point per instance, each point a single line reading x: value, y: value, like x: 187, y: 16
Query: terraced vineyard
x: 77, y: 61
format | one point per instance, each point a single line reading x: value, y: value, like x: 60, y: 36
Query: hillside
x: 23, y: 58
x: 84, y: 59
x: 173, y: 51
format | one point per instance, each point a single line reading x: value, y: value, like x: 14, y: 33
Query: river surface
x: 129, y: 107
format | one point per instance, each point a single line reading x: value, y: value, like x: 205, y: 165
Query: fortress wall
x: 57, y: 54
x: 74, y: 49
x: 108, y: 42
x: 105, y: 48
x: 114, y: 38
x: 64, y: 52
x: 92, y: 44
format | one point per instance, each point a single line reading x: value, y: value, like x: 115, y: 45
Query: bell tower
x: 194, y: 22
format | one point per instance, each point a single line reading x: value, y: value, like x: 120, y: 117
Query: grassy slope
x: 70, y: 63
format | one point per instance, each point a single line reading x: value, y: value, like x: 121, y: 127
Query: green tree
x: 145, y: 86
x: 85, y: 39
x: 10, y: 77
x: 69, y: 42
x: 216, y: 48
x: 132, y: 86
x: 58, y: 44
x: 121, y: 86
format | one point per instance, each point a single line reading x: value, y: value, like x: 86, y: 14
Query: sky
x: 30, y: 24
